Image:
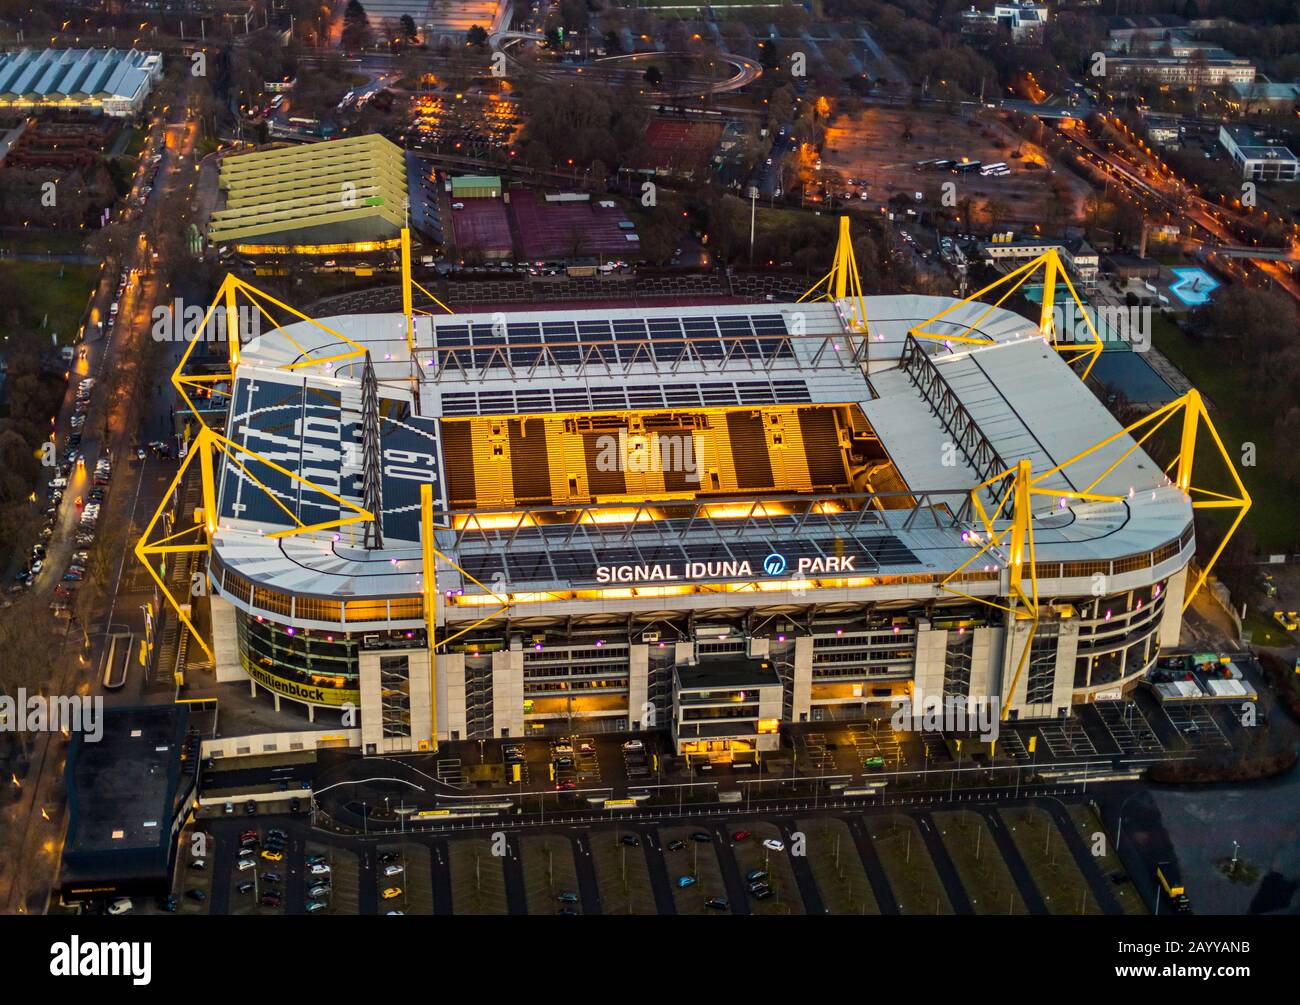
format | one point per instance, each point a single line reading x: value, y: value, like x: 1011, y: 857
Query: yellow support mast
x: 1052, y: 271
x: 1191, y: 407
x: 430, y: 560
x: 1013, y: 509
x: 843, y: 281
x: 408, y: 299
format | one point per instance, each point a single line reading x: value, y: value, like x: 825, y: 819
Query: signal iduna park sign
x: 774, y: 565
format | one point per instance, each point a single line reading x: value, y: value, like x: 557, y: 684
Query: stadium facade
x: 710, y: 520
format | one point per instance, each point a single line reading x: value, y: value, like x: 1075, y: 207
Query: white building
x: 111, y: 81
x: 1194, y: 70
x: 1024, y: 19
x: 1259, y: 161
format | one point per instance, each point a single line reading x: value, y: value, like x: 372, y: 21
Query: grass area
x: 750, y: 854
x: 60, y: 242
x: 1264, y: 631
x: 837, y: 868
x: 136, y: 143
x: 1089, y: 826
x: 622, y: 875
x: 698, y: 859
x: 907, y: 864
x: 51, y: 292
x: 549, y: 870
x: 979, y: 863
x: 478, y: 878
x: 1055, y: 872
x: 1239, y: 420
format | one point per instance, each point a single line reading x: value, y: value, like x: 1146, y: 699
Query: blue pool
x: 1193, y: 286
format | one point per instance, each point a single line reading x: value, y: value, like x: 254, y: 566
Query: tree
x: 356, y: 26
x: 476, y: 36
x: 408, y: 28
x: 653, y: 76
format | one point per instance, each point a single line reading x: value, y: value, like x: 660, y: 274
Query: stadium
x: 711, y: 520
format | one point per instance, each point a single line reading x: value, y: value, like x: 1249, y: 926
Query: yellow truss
x: 1014, y: 507
x: 1016, y: 539
x: 227, y: 297
x: 1050, y: 263
x: 206, y: 445
x: 1195, y: 415
x: 407, y: 283
x: 842, y: 281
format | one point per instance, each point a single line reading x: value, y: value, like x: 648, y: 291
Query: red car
x: 566, y: 785
x: 741, y: 835
x: 248, y: 835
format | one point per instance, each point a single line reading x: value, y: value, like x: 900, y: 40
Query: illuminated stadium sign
x: 773, y: 565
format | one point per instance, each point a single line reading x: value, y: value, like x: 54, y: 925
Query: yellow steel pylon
x: 1195, y: 415
x: 227, y: 297
x: 1016, y: 539
x: 1050, y: 263
x: 206, y: 446
x: 842, y: 281
x: 1014, y: 506
x: 408, y: 310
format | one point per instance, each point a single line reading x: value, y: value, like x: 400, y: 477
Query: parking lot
x: 694, y: 871
x: 622, y: 874
x: 478, y: 884
x: 766, y: 865
x: 1067, y: 739
x: 1128, y: 727
x: 1196, y: 727
x: 550, y: 875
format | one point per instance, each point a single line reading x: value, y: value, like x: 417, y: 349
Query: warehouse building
x: 108, y: 81
x: 129, y: 794
x: 714, y: 520
x: 345, y: 195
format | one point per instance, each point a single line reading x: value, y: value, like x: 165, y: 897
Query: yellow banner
x: 313, y: 694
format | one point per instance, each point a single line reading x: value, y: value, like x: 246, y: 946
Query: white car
x: 247, y: 863
x: 393, y: 870
x: 320, y: 870
x: 772, y: 844
x: 122, y: 905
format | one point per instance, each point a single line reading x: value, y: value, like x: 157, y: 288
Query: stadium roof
x: 342, y: 191
x: 1018, y: 397
x: 74, y: 74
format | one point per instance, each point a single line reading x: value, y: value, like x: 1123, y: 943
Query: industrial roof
x: 1020, y: 399
x: 346, y: 190
x: 124, y: 792
x: 61, y: 74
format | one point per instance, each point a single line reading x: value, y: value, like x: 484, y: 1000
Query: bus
x: 966, y: 167
x: 995, y: 168
x: 118, y: 660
